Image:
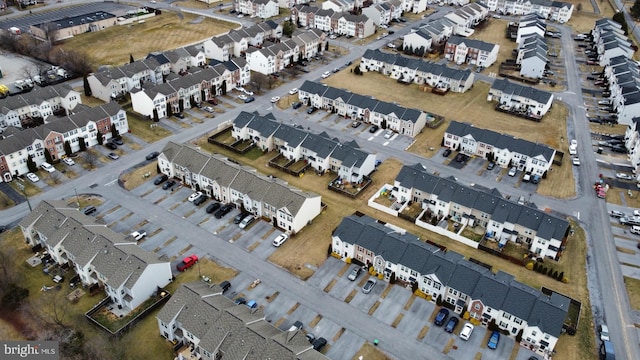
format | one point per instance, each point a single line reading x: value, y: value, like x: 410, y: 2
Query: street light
x: 77, y: 198
x: 21, y: 187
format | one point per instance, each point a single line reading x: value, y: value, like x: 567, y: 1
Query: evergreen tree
x: 155, y: 114
x: 67, y: 148
x: 224, y: 87
x: 87, y: 88
x: 47, y: 156
x: 181, y: 105
x: 131, y: 59
x: 619, y: 18
x: 287, y: 28
x: 31, y: 165
x: 82, y: 144
x: 635, y: 10
x: 99, y: 137
x: 114, y: 132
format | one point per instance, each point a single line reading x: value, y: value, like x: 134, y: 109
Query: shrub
x: 532, y: 266
x: 565, y: 279
x: 414, y: 286
x: 392, y: 278
x: 519, y: 336
x: 439, y: 300
x: 347, y: 260
x: 336, y: 255
x: 555, y: 274
x: 380, y: 276
x: 466, y: 316
x: 492, y: 325
x: 474, y: 322
x: 560, y: 276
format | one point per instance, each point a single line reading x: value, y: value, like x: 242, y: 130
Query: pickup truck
x: 616, y: 214
x: 630, y: 220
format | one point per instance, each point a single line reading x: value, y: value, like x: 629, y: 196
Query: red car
x: 187, y: 262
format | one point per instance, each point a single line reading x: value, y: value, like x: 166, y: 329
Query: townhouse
x: 504, y: 150
x: 288, y: 4
x: 551, y: 10
x: 417, y: 40
x: 198, y: 315
x: 417, y: 71
x: 57, y: 135
x: 386, y: 115
x: 234, y: 43
x: 274, y: 200
x: 341, y: 5
x: 263, y: 9
x: 532, y: 56
x: 383, y: 12
x: 505, y: 221
x: 333, y: 21
x: 320, y: 151
x: 610, y: 41
x: 414, y: 6
x: 622, y: 75
x: 30, y: 109
x: 520, y: 98
x: 439, y: 30
x: 632, y: 143
x: 530, y: 24
x: 184, y: 92
x: 467, y: 17
x: 475, y: 52
x: 447, y: 277
x: 109, y: 83
x: 359, y: 26
x: 99, y: 256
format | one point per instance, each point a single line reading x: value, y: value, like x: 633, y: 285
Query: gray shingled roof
x: 527, y: 92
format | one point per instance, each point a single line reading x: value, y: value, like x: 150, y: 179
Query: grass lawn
x: 615, y: 195
x: 584, y: 20
x: 137, y: 177
x: 193, y: 4
x: 168, y: 31
x: 495, y: 33
x: 141, y: 128
x: 633, y: 289
x: 617, y: 129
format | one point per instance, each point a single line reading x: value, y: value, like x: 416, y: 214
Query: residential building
x: 532, y: 56
x: 632, y: 143
x: 466, y: 18
x: 417, y: 71
x: 341, y: 5
x: 83, y: 124
x: 475, y: 52
x: 623, y: 78
x: 542, y: 233
x: 269, y: 198
x: 504, y: 150
x: 530, y: 24
x: 32, y: 108
x: 462, y: 284
x: 198, y: 315
x: 359, y: 26
x: 386, y: 115
x: 520, y: 98
x: 234, y: 43
x: 383, y: 12
x: 414, y: 6
x: 68, y: 27
x: 551, y: 10
x: 320, y: 151
x: 417, y: 40
x: 263, y: 9
x: 110, y: 83
x: 100, y: 257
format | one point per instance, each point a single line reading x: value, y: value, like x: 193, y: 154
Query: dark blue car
x: 441, y: 317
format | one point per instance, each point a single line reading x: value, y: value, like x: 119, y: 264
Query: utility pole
x: 21, y: 187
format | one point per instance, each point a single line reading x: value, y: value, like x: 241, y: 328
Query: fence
x: 366, y: 181
x: 501, y: 255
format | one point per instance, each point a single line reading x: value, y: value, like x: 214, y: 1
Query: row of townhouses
x: 269, y: 198
x: 417, y: 71
x: 467, y: 17
x: 98, y: 255
x: 552, y: 10
x: 532, y: 56
x: 632, y: 143
x: 504, y: 150
x: 17, y: 145
x: 610, y: 41
x: 198, y: 315
x: 30, y: 108
x: 386, y: 115
x: 467, y: 51
x: 273, y: 57
x: 462, y: 285
x: 520, y: 98
x: 320, y: 151
x: 263, y: 9
x: 381, y: 13
x: 332, y: 21
x: 236, y: 42
x: 181, y: 92
x: 530, y: 24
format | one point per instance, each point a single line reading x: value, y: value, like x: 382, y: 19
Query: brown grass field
x: 165, y: 32
x: 633, y: 289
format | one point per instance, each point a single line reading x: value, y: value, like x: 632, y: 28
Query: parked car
x: 446, y: 153
x: 441, y: 317
x: 213, y: 207
x: 240, y: 217
x: 194, y: 196
x: 451, y: 324
x: 624, y: 176
x: 311, y: 110
x: 293, y: 91
x: 47, y: 167
x: 275, y: 99
x: 388, y: 134
x: 491, y: 165
x: 117, y: 141
x: 616, y: 214
x: 200, y: 200
x: 89, y: 210
x: 296, y: 326
x: 368, y: 286
x: 242, y: 97
x: 632, y: 220
x: 213, y: 101
x: 635, y: 230
x: 113, y: 156
x: 33, y: 177
x: 355, y: 124
x: 374, y: 129
x: 355, y: 272
x: 111, y: 145
x: 311, y: 337
x: 224, y: 210
x: 179, y: 115
x: 246, y: 221
x: 575, y: 161
x: 280, y: 239
x: 296, y: 105
x: 160, y: 179
x: 466, y: 331
x: 493, y: 340
x: 326, y: 74
x: 137, y: 235
x: 69, y: 161
x: 209, y: 109
x: 168, y: 185
x: 225, y: 285
x: 512, y: 171
x: 187, y: 262
x: 240, y: 301
x: 152, y: 155
x: 319, y: 343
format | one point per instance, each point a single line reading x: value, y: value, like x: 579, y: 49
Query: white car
x: 326, y: 74
x: 242, y: 97
x: 391, y: 45
x: 275, y: 99
x: 604, y: 332
x: 333, y: 36
x: 33, y: 177
x: 280, y: 240
x: 240, y: 15
x: 624, y: 176
x: 47, y: 167
x: 576, y: 161
x: 466, y: 331
x: 194, y: 196
x: 512, y: 171
x: 68, y: 161
x: 138, y: 234
x: 209, y: 109
x: 636, y: 212
x: 388, y: 134
x: 250, y: 93
x: 574, y: 142
x: 293, y: 91
x: 635, y: 230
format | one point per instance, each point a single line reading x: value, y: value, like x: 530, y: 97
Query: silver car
x: 368, y: 286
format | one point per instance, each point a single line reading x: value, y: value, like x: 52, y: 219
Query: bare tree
x: 53, y: 307
x: 55, y: 177
x: 29, y: 71
x: 91, y: 159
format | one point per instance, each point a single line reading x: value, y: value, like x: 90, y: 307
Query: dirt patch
x: 338, y: 334
x: 315, y: 321
x: 397, y: 320
x: 633, y: 289
x: 423, y: 332
x: 386, y: 291
x: 351, y: 295
x: 330, y: 286
x: 374, y: 307
x: 370, y: 352
x: 407, y: 306
x: 293, y: 308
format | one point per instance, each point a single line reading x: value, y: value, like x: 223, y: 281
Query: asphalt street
x: 608, y: 296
